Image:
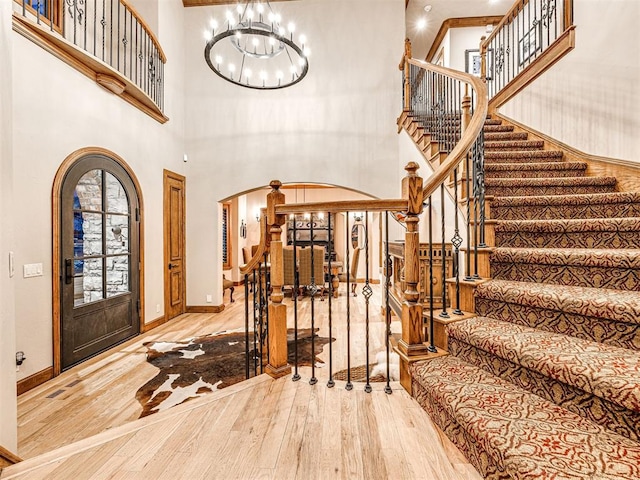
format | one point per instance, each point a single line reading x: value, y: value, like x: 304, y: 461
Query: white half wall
x: 56, y: 111
x: 8, y: 403
x: 590, y: 98
x: 337, y: 126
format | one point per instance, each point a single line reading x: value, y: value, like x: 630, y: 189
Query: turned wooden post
x: 483, y: 59
x: 412, y: 342
x: 404, y: 66
x: 466, y: 108
x: 277, y: 366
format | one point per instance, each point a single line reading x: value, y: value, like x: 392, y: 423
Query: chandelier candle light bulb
x: 254, y: 44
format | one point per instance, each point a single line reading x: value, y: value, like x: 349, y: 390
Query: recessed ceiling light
x: 421, y: 23
x: 427, y: 8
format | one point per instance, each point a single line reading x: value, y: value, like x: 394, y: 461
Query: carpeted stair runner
x: 596, y: 314
x: 545, y: 383
x: 508, y: 432
x: 549, y: 186
x: 598, y: 268
x: 525, y: 156
x: 573, y: 233
x: 535, y: 170
x: 580, y: 375
x: 607, y: 205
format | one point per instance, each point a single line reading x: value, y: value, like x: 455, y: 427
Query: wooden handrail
x: 344, y: 206
x: 518, y: 6
x: 263, y: 247
x: 515, y: 9
x: 469, y: 136
x: 147, y: 29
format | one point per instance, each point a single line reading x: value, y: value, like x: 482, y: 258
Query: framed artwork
x: 473, y: 62
x: 529, y: 44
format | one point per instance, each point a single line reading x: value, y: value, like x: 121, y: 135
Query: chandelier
x: 253, y: 48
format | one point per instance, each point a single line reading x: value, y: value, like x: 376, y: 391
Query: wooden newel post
x: 277, y: 366
x: 412, y: 342
x: 483, y: 59
x: 404, y: 66
x: 466, y: 108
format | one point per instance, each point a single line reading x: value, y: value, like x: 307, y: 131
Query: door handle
x: 172, y: 265
x: 68, y: 271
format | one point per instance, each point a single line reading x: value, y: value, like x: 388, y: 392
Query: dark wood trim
x: 459, y: 23
x: 56, y: 268
x: 204, y: 308
x: 558, y: 49
x: 86, y: 64
x: 32, y: 381
x: 153, y: 324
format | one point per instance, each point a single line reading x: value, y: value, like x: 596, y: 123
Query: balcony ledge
x: 92, y: 67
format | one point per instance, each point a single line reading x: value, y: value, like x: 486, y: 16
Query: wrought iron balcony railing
x: 107, y: 36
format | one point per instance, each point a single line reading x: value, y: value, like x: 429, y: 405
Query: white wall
x: 56, y: 111
x: 590, y: 99
x: 409, y: 152
x: 8, y: 413
x: 337, y: 126
x: 455, y: 42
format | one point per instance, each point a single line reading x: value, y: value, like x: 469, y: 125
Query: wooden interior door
x: 174, y: 245
x: 99, y: 255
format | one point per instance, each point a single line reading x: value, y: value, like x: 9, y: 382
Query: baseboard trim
x: 153, y: 324
x: 32, y: 381
x: 205, y: 308
x: 8, y: 458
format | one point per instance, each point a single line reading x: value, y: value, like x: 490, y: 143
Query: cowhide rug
x: 192, y: 368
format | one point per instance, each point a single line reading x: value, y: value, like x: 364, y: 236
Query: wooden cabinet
x: 396, y: 251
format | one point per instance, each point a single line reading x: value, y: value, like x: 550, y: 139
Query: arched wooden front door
x: 99, y: 258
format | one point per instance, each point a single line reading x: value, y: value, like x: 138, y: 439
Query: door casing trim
x: 56, y: 268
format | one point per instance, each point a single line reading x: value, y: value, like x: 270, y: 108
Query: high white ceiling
x: 441, y: 10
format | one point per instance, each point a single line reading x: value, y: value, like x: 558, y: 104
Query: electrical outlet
x: 209, y: 298
x: 157, y: 308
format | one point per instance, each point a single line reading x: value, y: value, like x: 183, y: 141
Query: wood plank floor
x: 257, y: 429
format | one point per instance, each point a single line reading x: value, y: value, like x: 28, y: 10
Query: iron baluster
x: 95, y: 25
x: 456, y: 241
x: 331, y: 383
x: 246, y: 325
x: 312, y: 290
x: 432, y: 347
x: 444, y: 313
x: 349, y: 385
x: 267, y: 284
x: 111, y: 32
x: 468, y: 277
x: 366, y: 292
x: 118, y: 36
x: 255, y: 322
x: 387, y: 309
x: 480, y: 150
x: 294, y: 294
x: 476, y: 197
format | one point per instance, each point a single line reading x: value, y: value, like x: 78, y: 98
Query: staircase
x: 545, y: 381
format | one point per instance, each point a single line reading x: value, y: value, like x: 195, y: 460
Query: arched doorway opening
x: 97, y: 256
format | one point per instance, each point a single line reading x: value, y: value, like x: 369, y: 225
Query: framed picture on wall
x: 529, y: 44
x: 473, y: 62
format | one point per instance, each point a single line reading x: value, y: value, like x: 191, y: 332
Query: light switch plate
x: 32, y: 270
